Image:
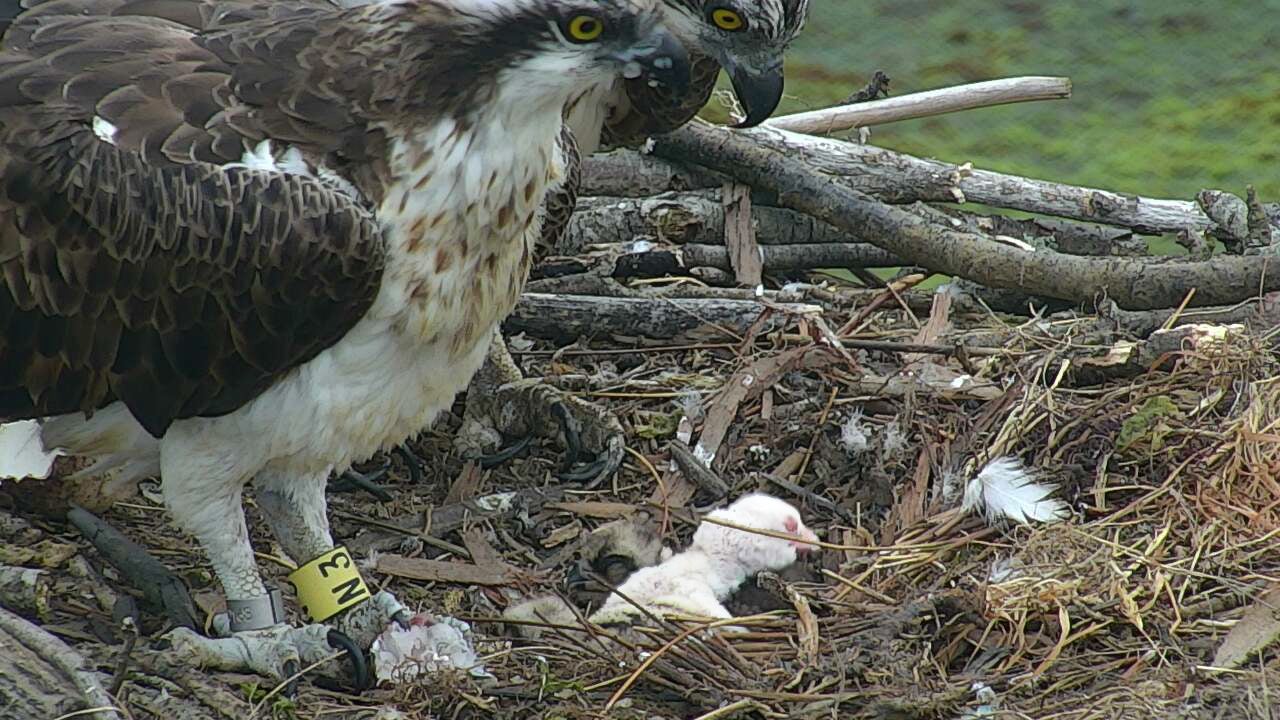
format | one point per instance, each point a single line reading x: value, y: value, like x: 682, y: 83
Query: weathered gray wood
x: 42, y: 677
x: 773, y: 160
x: 25, y: 590
x: 925, y: 104
x: 565, y: 317
x: 625, y: 173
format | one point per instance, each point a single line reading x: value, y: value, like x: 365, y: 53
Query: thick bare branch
x: 925, y: 104
x: 564, y: 317
x: 900, y: 178
x: 696, y: 218
x: 626, y: 173
x: 773, y: 160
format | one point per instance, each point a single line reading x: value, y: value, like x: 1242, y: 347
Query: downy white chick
x: 697, y: 581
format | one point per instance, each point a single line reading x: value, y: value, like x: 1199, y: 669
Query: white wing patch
x: 259, y: 158
x: 105, y: 131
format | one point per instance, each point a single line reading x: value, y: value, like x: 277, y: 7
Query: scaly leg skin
x: 500, y: 396
x: 204, y: 500
x: 295, y: 509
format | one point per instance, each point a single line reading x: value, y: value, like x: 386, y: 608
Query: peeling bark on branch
x: 899, y: 178
x: 566, y: 317
x: 757, y: 157
x: 42, y: 677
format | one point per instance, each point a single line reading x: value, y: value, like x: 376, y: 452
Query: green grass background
x: 1169, y: 96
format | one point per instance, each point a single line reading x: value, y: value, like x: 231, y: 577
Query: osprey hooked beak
x: 660, y: 58
x: 759, y: 90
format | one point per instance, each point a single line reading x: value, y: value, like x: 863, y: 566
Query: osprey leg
x: 294, y: 508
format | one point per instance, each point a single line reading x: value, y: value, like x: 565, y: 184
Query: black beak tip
x: 759, y: 94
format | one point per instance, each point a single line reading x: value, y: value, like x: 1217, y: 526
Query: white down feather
x: 1004, y: 489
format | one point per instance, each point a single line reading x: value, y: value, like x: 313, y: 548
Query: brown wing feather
x: 183, y: 93
x: 181, y: 290
x: 141, y: 271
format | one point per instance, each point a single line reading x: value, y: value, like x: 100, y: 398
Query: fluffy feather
x: 1004, y: 489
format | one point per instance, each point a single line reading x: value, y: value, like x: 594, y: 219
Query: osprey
x: 271, y: 241
x: 746, y: 37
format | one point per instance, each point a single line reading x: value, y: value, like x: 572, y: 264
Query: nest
x: 914, y: 609
x: 917, y: 610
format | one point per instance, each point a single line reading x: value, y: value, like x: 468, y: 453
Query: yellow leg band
x: 328, y: 585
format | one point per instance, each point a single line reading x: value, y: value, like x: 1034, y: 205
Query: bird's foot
x: 518, y: 409
x: 367, y: 620
x: 279, y: 652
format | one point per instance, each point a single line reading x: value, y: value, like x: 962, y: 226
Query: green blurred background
x: 1169, y: 97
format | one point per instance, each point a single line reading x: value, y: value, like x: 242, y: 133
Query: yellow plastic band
x: 328, y: 585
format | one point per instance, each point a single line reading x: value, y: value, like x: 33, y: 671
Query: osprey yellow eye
x: 584, y: 28
x: 726, y: 19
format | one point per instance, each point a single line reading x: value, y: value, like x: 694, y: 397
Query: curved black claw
x: 504, y: 454
x: 352, y: 481
x: 589, y: 473
x: 360, y: 676
x: 413, y: 462
x: 572, y: 435
x: 290, y: 669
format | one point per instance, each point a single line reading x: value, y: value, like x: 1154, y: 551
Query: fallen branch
x: 758, y: 157
x: 899, y: 178
x: 925, y: 104
x: 698, y: 218
x: 41, y: 676
x: 565, y: 317
x: 625, y: 173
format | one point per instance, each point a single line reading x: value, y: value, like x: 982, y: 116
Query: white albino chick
x: 697, y: 581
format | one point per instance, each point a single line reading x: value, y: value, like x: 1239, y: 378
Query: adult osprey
x: 746, y: 37
x: 264, y: 247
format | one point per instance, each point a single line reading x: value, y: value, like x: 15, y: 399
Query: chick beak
x: 661, y: 58
x: 804, y: 548
x: 759, y: 92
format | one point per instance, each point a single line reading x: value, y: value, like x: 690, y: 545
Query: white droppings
x: 704, y: 455
x: 501, y: 502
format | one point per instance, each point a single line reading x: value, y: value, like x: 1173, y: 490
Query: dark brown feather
x: 143, y: 272
x: 197, y: 321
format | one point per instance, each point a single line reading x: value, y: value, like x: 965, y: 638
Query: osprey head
x: 559, y: 42
x: 748, y: 38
